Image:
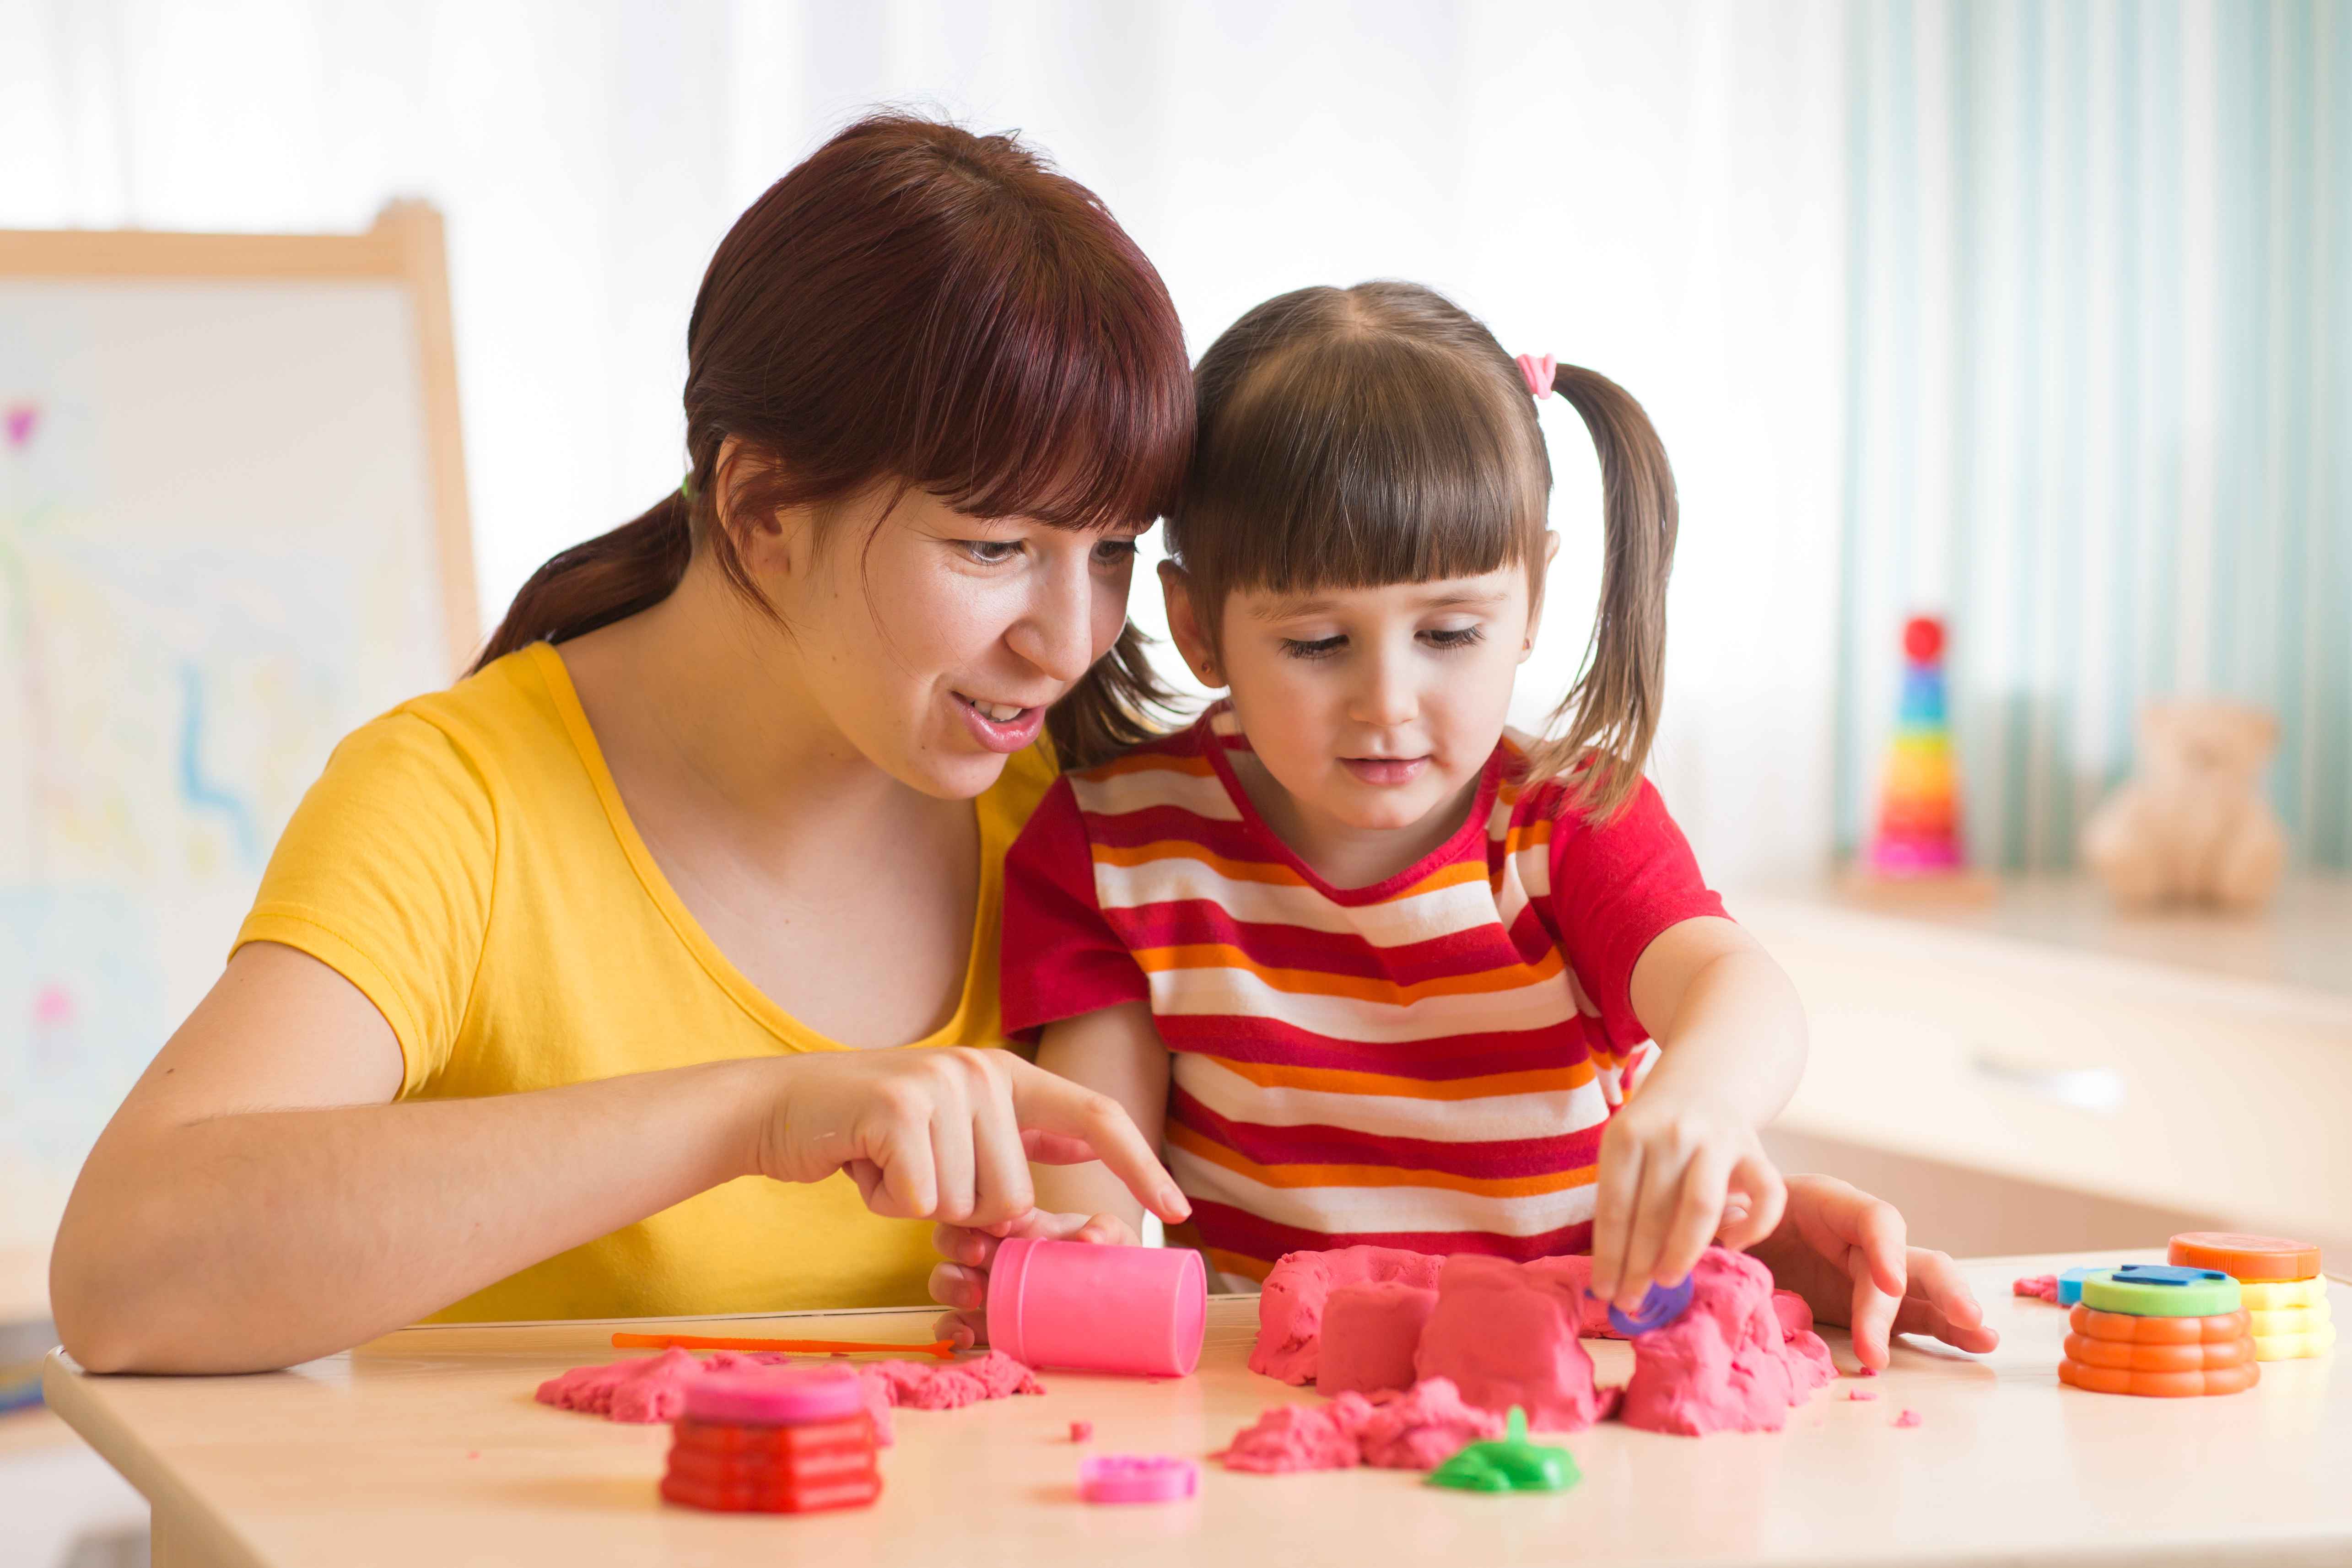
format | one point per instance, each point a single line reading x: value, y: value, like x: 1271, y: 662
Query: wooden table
x: 426, y: 1447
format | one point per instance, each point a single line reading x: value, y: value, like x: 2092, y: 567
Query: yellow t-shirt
x: 466, y: 862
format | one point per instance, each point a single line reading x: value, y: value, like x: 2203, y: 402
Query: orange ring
x: 2157, y: 1385
x: 2258, y: 1258
x: 2088, y: 1352
x: 2124, y: 1328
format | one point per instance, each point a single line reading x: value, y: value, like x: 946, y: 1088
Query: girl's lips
x: 1385, y: 770
x: 1006, y: 736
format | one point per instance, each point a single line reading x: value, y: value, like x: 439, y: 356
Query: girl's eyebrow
x: 1457, y: 599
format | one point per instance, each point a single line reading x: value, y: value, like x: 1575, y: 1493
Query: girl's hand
x: 1677, y: 1171
x: 947, y: 1133
x: 1843, y: 1251
x: 961, y: 1283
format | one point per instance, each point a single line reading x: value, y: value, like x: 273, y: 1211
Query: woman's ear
x: 1536, y: 595
x: 1184, y: 625
x: 768, y: 543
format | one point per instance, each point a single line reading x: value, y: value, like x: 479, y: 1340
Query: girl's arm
x: 255, y: 1202
x: 1681, y: 1162
x: 1115, y: 1052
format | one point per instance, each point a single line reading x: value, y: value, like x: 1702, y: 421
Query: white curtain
x: 1656, y: 190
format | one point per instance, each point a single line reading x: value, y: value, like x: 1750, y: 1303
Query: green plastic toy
x: 1510, y: 1464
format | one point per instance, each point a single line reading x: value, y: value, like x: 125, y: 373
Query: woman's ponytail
x: 1601, y: 733
x: 600, y: 580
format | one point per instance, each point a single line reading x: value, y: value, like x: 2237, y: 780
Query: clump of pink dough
x: 1858, y: 1394
x: 653, y: 1388
x: 1730, y: 1362
x: 1506, y: 1334
x: 1414, y: 1429
x: 1370, y: 1334
x: 2044, y: 1286
x: 1082, y: 1431
x: 1290, y: 1307
x: 1908, y: 1419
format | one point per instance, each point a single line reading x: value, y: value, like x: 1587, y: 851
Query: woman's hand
x: 1843, y: 1251
x: 947, y: 1132
x: 961, y: 1283
x: 1677, y: 1170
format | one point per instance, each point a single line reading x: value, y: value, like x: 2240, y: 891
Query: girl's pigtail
x: 1611, y: 715
x: 1111, y: 710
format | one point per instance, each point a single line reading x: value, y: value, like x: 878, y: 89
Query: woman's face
x: 934, y: 640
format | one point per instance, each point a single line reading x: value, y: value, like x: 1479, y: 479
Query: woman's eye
x: 1454, y: 637
x: 989, y: 553
x: 1114, y: 552
x: 1319, y: 648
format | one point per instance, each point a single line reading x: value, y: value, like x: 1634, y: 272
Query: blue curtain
x: 2099, y: 392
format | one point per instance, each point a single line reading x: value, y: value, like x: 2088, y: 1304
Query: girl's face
x: 936, y: 650
x: 1373, y: 709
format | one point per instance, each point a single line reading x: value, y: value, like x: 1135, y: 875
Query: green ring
x: 2104, y: 1292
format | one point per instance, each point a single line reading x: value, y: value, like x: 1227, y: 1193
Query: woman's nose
x: 1056, y: 633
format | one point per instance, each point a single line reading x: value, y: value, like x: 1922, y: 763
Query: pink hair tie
x: 1538, y: 371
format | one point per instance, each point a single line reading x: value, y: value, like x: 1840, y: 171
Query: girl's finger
x: 953, y: 1285
x: 1697, y: 1213
x: 966, y: 1330
x: 1612, y: 1213
x: 1873, y: 1312
x: 1938, y: 1280
x: 1755, y: 1201
x: 1662, y: 1180
x: 962, y: 1244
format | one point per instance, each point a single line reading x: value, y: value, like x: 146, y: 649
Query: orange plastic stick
x: 943, y: 1349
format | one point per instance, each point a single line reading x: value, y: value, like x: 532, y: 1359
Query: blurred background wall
x: 2038, y: 312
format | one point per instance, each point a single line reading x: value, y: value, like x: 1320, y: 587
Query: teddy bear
x: 2191, y: 826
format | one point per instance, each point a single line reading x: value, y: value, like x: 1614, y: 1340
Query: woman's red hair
x: 921, y: 304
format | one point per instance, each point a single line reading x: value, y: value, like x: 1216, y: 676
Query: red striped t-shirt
x: 1426, y: 1062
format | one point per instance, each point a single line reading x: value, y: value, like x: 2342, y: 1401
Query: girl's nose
x: 1055, y: 632
x: 1386, y: 696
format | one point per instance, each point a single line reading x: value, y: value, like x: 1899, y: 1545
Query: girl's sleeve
x: 1615, y: 887
x: 383, y: 875
x: 1060, y: 957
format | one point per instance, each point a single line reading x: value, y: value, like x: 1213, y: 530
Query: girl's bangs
x: 1363, y: 460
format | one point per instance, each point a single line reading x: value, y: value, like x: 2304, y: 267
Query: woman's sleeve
x: 1615, y: 887
x: 1061, y: 957
x: 384, y: 876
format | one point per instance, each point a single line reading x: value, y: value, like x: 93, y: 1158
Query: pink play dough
x: 1858, y: 1394
x: 1729, y: 1364
x: 2044, y: 1286
x: 1908, y: 1419
x: 1506, y: 1334
x: 1416, y: 1429
x: 1290, y: 1306
x: 653, y: 1388
x: 1370, y: 1334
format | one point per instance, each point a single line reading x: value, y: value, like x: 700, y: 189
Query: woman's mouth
x: 1001, y: 726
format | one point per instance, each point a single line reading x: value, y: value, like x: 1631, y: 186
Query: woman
x: 553, y: 1000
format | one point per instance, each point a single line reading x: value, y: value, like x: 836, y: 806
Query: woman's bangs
x: 1072, y: 406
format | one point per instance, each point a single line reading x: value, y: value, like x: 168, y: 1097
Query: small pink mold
x: 1082, y: 1431
x: 1138, y: 1478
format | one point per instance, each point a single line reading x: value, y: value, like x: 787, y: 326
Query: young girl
x: 1386, y: 972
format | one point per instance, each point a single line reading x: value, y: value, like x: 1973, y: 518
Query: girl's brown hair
x: 919, y: 305
x: 1356, y: 437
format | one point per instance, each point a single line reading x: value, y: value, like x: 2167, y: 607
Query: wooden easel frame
x: 406, y: 247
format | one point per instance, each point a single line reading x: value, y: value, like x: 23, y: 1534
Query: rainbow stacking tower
x: 1919, y: 807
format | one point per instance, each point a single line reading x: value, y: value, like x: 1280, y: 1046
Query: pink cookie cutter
x: 1139, y: 1311
x: 1138, y: 1478
x: 775, y: 1398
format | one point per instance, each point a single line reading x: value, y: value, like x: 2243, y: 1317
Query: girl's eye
x: 989, y: 553
x: 1114, y: 552
x: 1320, y: 648
x: 1455, y: 637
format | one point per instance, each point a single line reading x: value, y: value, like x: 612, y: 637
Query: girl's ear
x: 1184, y: 625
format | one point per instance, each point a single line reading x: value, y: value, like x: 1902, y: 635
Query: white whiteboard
x: 218, y: 555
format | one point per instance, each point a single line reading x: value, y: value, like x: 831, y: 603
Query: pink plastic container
x: 1134, y: 1310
